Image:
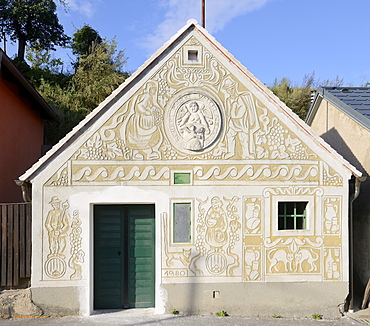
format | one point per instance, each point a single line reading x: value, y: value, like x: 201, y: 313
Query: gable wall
x: 21, y: 139
x: 243, y: 154
x: 351, y: 140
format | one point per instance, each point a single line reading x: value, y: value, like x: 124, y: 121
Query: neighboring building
x: 341, y: 116
x: 22, y: 111
x: 192, y: 187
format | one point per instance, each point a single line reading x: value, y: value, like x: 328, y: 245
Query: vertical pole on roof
x: 204, y: 13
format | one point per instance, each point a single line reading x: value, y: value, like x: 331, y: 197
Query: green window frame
x: 181, y: 222
x: 292, y: 215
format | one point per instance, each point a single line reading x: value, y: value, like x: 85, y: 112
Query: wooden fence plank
x: 9, y: 279
x: 22, y: 241
x: 3, y: 244
x: 16, y: 244
x: 28, y: 239
x: 15, y: 241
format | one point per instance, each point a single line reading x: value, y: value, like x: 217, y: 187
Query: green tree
x: 43, y: 66
x: 84, y: 39
x: 98, y: 73
x: 32, y: 22
x: 297, y: 98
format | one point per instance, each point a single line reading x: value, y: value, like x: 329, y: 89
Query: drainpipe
x: 358, y: 181
x: 26, y: 190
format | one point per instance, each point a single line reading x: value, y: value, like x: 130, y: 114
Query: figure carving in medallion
x: 142, y: 131
x: 242, y: 120
x: 194, y: 127
x: 57, y: 224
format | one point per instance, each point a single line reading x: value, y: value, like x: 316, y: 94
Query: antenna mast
x: 204, y: 13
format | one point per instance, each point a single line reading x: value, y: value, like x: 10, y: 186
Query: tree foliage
x: 84, y: 40
x: 32, y: 22
x: 298, y: 97
x: 98, y: 74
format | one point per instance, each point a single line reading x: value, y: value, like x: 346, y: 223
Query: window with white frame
x: 182, y: 222
x: 292, y: 215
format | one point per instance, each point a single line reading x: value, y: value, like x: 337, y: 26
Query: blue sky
x: 272, y: 38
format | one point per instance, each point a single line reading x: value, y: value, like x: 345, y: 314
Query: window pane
x: 281, y: 208
x: 281, y: 223
x: 289, y: 206
x: 289, y: 223
x: 181, y: 178
x: 300, y: 208
x: 181, y: 222
x: 300, y: 225
x: 292, y: 215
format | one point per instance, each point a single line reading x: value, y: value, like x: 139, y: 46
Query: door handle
x: 119, y: 253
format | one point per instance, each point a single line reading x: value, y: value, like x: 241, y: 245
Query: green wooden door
x: 124, y: 265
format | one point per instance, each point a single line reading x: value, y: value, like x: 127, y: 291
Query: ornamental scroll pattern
x: 60, y: 228
x: 82, y: 172
x: 200, y: 98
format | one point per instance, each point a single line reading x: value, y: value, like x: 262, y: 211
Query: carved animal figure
x: 275, y: 256
x: 183, y: 256
x: 304, y: 255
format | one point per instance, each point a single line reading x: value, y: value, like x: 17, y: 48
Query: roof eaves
x: 345, y: 108
x: 126, y: 84
x: 263, y: 88
x: 44, y: 107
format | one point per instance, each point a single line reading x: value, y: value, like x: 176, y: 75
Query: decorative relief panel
x: 332, y: 215
x: 114, y: 171
x: 58, y: 226
x: 330, y: 177
x: 176, y: 260
x: 196, y: 113
x: 293, y: 255
x: 193, y: 112
x: 252, y: 214
x: 218, y: 232
x: 332, y: 263
x: 252, y: 263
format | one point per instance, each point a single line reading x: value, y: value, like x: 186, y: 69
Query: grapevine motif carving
x: 137, y: 130
x: 61, y: 177
x: 330, y: 179
x: 217, y: 234
x: 77, y: 254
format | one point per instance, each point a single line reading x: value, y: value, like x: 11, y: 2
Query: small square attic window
x: 193, y: 55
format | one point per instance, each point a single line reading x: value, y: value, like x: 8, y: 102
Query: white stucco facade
x: 243, y: 156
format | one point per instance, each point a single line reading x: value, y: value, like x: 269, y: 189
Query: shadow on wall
x: 361, y: 214
x: 336, y: 141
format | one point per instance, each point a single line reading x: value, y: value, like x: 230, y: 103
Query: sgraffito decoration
x: 293, y: 255
x: 195, y: 112
x: 176, y: 261
x: 332, y: 215
x: 217, y: 232
x: 77, y: 254
x: 61, y: 228
x: 332, y: 263
x: 57, y: 225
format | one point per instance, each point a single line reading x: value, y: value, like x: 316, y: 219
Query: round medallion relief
x: 193, y: 122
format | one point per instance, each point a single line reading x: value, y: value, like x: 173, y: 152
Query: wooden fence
x: 15, y: 241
